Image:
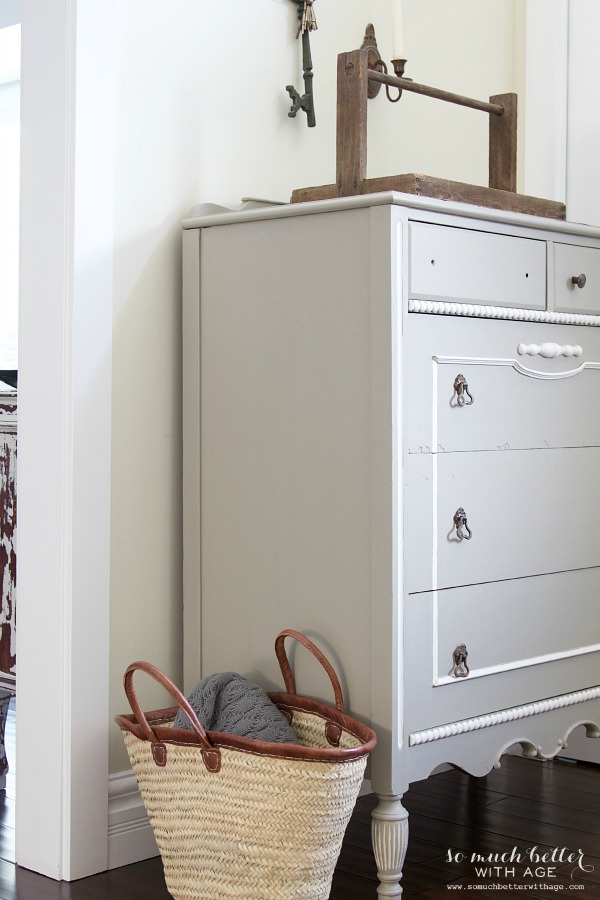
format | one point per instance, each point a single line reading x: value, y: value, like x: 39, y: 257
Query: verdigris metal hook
x: 305, y: 101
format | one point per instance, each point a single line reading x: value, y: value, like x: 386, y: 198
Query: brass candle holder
x: 376, y: 63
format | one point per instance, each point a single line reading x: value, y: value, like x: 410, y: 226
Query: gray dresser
x: 392, y: 443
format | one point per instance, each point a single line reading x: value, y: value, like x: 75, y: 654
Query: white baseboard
x: 130, y: 837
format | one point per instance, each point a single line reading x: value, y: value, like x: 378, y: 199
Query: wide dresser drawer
x: 527, y: 639
x: 515, y: 396
x: 527, y: 512
x: 549, y: 616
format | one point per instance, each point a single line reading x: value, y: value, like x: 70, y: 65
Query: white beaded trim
x: 499, y: 718
x: 443, y: 308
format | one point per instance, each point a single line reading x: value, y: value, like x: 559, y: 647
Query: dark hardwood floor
x: 7, y: 797
x: 523, y: 810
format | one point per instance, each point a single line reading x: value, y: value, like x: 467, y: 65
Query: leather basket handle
x: 284, y: 665
x: 211, y: 754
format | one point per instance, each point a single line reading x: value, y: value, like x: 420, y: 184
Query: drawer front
x: 513, y: 624
x: 467, y: 266
x: 515, y: 400
x: 516, y: 652
x: 529, y: 511
x: 571, y: 262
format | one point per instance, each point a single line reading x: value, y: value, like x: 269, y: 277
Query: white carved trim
x: 500, y: 718
x: 515, y: 364
x: 549, y: 350
x: 444, y: 308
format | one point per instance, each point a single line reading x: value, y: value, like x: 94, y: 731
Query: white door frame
x: 583, y: 177
x: 64, y: 428
x: 544, y: 104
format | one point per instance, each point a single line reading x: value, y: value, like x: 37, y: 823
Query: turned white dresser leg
x: 389, y: 834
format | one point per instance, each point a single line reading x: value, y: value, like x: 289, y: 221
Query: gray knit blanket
x: 230, y: 703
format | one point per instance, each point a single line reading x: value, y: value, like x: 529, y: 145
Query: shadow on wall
x: 146, y: 574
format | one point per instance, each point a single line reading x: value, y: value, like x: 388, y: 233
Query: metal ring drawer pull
x: 549, y: 350
x: 459, y: 655
x: 460, y: 520
x: 579, y: 280
x: 461, y: 387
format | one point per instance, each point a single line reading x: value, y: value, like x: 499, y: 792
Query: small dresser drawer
x: 571, y: 262
x: 465, y: 266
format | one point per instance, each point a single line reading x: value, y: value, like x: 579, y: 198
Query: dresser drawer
x: 571, y: 262
x: 517, y: 398
x: 529, y: 511
x: 525, y: 639
x: 466, y: 266
x: 513, y: 410
x: 515, y: 624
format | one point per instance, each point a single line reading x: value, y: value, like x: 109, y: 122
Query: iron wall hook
x: 304, y: 101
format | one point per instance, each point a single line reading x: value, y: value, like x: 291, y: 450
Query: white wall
x: 201, y: 116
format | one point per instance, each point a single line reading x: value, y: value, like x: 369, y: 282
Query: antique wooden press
x: 360, y: 74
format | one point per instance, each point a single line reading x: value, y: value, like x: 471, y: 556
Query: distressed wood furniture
x: 359, y: 78
x: 8, y: 536
x: 394, y: 446
x: 5, y: 697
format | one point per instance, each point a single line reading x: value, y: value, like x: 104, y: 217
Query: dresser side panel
x: 286, y: 452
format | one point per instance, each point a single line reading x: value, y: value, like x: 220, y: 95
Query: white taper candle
x: 397, y: 30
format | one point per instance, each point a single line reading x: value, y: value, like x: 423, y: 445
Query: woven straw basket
x: 237, y: 817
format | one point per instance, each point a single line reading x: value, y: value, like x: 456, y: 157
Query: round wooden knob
x: 579, y: 280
